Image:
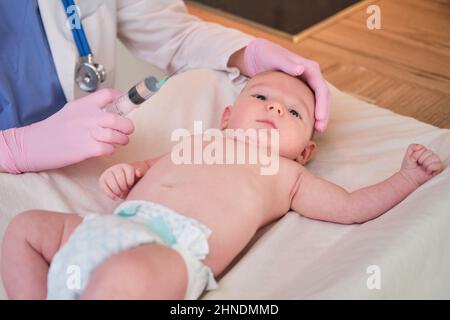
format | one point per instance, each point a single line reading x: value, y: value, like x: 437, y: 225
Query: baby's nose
x: 275, y: 107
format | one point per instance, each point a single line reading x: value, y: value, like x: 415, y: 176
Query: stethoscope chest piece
x: 89, y: 75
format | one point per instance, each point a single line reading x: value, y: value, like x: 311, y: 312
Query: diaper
x: 133, y: 223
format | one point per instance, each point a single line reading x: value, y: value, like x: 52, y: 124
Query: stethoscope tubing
x: 79, y: 35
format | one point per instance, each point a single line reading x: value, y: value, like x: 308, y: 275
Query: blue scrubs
x: 29, y: 86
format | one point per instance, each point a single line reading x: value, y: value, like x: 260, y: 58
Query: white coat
x: 160, y: 32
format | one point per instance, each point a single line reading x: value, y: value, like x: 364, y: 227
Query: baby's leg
x: 31, y: 240
x: 149, y: 271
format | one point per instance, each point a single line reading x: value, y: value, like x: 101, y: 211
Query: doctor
x: 49, y: 117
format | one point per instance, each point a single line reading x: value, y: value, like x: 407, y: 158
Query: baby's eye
x: 260, y: 97
x: 295, y: 113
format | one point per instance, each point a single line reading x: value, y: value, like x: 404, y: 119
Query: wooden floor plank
x: 328, y: 54
x: 380, y: 44
x: 430, y: 29
x: 400, y: 97
x: 437, y: 6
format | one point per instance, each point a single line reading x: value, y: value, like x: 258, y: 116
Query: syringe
x: 137, y: 95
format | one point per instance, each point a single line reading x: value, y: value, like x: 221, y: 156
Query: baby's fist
x: 117, y: 180
x: 420, y: 164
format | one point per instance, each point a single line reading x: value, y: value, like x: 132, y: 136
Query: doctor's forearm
x: 5, y: 160
x: 237, y: 61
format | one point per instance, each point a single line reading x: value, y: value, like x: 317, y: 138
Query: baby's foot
x: 420, y: 164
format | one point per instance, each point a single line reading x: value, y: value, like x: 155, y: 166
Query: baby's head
x: 276, y: 100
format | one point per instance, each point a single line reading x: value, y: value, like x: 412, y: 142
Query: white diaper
x: 133, y: 223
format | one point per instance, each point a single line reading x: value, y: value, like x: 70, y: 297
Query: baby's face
x: 275, y: 100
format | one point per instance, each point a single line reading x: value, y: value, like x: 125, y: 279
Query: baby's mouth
x: 268, y: 122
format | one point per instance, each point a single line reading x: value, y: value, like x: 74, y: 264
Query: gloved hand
x: 78, y: 131
x: 262, y: 55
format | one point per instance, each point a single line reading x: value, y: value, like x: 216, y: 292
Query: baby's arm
x: 319, y: 199
x: 117, y: 180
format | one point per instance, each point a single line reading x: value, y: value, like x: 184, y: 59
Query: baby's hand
x: 118, y: 180
x: 420, y: 164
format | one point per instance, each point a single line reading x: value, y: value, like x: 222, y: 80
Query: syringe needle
x: 164, y: 80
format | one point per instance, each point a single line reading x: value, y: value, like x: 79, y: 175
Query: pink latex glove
x: 262, y: 55
x: 78, y: 131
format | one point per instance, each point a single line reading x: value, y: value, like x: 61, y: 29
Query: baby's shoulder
x: 290, y: 171
x: 290, y: 165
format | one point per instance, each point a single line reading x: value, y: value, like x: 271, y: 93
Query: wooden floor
x: 404, y: 67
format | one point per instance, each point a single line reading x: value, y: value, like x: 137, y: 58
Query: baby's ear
x: 307, y: 153
x: 225, y: 117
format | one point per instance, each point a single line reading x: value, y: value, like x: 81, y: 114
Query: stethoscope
x: 88, y: 74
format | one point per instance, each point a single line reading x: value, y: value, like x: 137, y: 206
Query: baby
x: 182, y: 224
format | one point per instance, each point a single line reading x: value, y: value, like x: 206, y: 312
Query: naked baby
x: 182, y: 224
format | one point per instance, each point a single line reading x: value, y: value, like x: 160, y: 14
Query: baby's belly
x: 233, y: 209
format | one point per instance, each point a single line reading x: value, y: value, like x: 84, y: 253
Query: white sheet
x: 295, y: 257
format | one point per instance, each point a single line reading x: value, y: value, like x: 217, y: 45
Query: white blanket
x: 406, y: 251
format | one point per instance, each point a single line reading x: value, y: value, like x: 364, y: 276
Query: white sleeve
x: 164, y: 34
